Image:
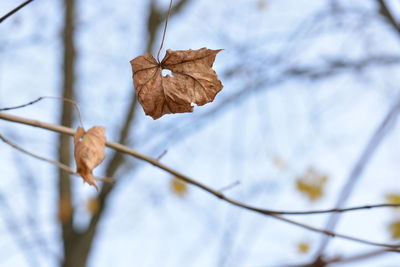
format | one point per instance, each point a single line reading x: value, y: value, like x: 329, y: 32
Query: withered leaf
x: 193, y: 81
x: 89, y: 151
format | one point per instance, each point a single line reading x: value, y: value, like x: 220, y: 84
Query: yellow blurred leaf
x: 312, y: 184
x: 394, y: 229
x: 303, y: 247
x: 178, y: 187
x: 393, y: 198
x: 93, y: 205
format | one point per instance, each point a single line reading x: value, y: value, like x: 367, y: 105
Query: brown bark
x: 66, y: 119
x: 77, y: 245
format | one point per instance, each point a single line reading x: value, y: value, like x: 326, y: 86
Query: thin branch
x: 53, y: 162
x: 11, y: 222
x: 22, y: 106
x: 385, y: 126
x: 165, y: 30
x: 49, y: 97
x: 384, y: 11
x: 156, y: 17
x: 156, y: 163
x: 358, y: 257
x: 328, y: 70
x: 159, y: 157
x: 32, y: 221
x: 71, y: 102
x: 6, y: 16
x: 229, y: 186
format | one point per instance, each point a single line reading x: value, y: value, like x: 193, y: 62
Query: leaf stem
x: 73, y: 102
x: 165, y: 30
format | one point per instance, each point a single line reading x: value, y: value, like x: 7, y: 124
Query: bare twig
x: 376, y: 139
x: 32, y: 221
x: 165, y: 30
x: 159, y: 157
x: 53, y: 162
x: 229, y: 186
x: 384, y: 11
x: 11, y: 222
x: 156, y: 163
x: 71, y: 102
x: 358, y: 257
x: 23, y: 105
x: 330, y: 69
x: 49, y: 97
x: 6, y: 16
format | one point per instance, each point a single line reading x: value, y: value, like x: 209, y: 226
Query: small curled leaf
x: 89, y: 152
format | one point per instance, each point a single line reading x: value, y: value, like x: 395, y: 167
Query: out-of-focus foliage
x: 311, y: 184
x: 178, y: 187
x: 394, y: 229
x: 303, y: 247
x: 393, y: 198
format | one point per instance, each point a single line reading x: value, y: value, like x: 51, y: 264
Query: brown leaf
x: 193, y: 81
x: 89, y: 151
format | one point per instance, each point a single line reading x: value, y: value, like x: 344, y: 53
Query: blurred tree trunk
x: 77, y: 244
x: 65, y: 212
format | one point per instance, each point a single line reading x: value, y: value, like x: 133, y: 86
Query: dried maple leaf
x: 193, y: 81
x: 89, y: 151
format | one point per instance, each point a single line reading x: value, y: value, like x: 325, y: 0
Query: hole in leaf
x: 166, y: 72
